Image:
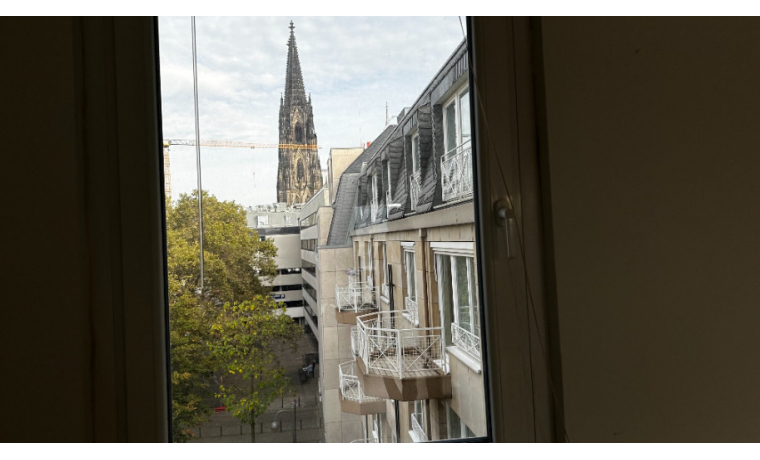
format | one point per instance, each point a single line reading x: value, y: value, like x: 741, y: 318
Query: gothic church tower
x: 299, y: 175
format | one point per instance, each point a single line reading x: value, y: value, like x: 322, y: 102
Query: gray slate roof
x: 345, y: 196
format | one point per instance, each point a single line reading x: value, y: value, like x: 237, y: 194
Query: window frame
x: 456, y: 100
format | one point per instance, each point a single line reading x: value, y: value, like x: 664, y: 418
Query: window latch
x: 504, y: 214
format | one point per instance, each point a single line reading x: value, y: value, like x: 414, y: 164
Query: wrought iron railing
x: 412, y: 310
x: 355, y: 344
x: 417, y: 428
x: 456, y: 173
x: 415, y: 186
x: 465, y: 340
x: 389, y: 343
x: 355, y: 297
x: 350, y: 386
x: 386, y: 291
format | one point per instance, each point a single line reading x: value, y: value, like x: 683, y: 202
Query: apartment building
x: 398, y: 267
x: 278, y: 222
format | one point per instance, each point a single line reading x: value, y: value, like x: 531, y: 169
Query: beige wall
x: 335, y: 347
x: 339, y: 160
x: 652, y: 145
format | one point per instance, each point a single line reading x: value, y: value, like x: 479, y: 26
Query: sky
x: 352, y: 67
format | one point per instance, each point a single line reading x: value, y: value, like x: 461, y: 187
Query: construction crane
x: 248, y: 145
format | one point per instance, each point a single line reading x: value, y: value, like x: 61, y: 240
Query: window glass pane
x: 451, y: 126
x: 463, y: 293
x: 291, y: 229
x: 464, y: 104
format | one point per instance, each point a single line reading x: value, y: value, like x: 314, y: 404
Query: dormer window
x: 416, y: 163
x: 456, y: 121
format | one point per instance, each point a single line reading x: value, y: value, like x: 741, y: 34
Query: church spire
x: 294, y: 90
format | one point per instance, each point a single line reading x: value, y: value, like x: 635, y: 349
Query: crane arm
x: 248, y: 145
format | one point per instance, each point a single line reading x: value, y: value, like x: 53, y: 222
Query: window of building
x: 309, y: 245
x: 456, y: 127
x: 309, y: 267
x: 455, y: 427
x: 417, y: 422
x: 411, y: 309
x: 416, y: 161
x: 458, y: 301
x: 262, y: 221
x: 389, y: 188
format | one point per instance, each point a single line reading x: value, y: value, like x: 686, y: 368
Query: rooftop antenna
x: 387, y: 120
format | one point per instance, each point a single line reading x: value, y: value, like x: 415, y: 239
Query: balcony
x: 415, y: 186
x: 353, y: 300
x: 398, y: 360
x: 352, y: 398
x: 411, y: 311
x: 466, y: 341
x: 418, y: 431
x: 456, y: 173
x: 354, y: 341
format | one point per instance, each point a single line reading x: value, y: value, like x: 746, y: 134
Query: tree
x: 236, y: 263
x: 245, y: 339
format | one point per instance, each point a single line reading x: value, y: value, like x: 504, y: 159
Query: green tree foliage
x: 235, y: 264
x: 246, y: 338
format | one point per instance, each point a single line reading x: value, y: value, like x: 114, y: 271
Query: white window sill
x: 466, y: 358
x: 385, y: 299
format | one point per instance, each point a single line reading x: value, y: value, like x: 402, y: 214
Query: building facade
x: 299, y: 175
x: 398, y: 306
x: 279, y: 223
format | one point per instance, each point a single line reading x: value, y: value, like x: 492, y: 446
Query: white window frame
x: 388, y: 168
x: 455, y: 99
x: 411, y: 278
x: 416, y: 166
x: 451, y: 250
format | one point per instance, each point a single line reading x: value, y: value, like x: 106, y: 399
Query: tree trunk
x: 253, y: 430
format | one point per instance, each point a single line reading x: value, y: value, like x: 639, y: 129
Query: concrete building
x: 279, y: 223
x: 400, y: 213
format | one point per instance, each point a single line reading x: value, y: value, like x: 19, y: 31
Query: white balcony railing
x: 385, y: 290
x: 456, y: 173
x: 465, y: 340
x: 355, y: 297
x: 415, y: 185
x: 350, y: 386
x: 417, y: 428
x: 389, y: 343
x: 370, y: 281
x: 355, y: 345
x: 411, y: 310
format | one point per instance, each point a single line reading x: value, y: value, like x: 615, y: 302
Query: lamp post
x: 277, y: 425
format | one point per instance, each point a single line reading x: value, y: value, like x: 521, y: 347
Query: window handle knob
x: 505, y: 217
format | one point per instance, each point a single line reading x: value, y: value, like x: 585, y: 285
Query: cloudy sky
x: 351, y: 66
